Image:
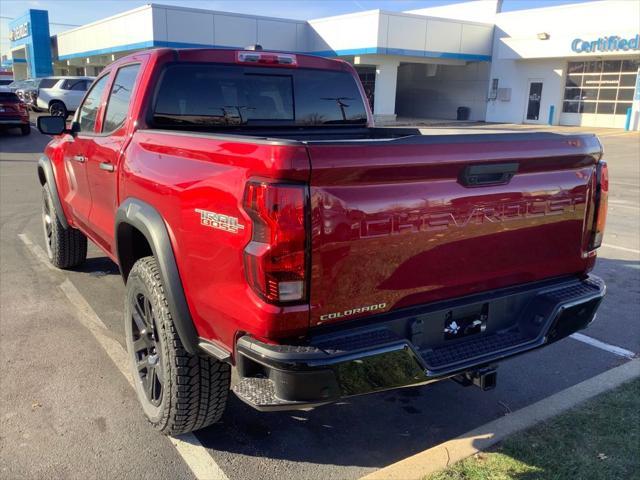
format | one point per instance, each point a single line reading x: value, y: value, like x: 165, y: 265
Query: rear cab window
x: 231, y: 96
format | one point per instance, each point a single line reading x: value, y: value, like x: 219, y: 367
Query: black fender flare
x: 46, y: 175
x: 140, y: 215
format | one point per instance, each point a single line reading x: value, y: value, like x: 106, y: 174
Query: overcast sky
x: 64, y: 14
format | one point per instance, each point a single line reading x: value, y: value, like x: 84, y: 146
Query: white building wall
x: 179, y: 26
x: 519, y: 55
x: 132, y: 27
x: 436, y: 91
x: 345, y: 33
x: 408, y: 33
x: 515, y: 76
x: 395, y: 33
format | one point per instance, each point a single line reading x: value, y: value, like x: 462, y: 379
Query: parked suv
x: 60, y: 95
x: 13, y: 112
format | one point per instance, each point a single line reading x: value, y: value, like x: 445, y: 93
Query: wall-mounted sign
x: 613, y: 43
x: 19, y: 32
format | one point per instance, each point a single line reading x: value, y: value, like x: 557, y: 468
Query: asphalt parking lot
x: 66, y: 411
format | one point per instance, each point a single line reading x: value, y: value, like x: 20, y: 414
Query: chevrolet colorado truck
x: 263, y: 225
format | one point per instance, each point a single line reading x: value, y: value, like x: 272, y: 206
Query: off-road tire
x: 66, y: 247
x: 194, y: 388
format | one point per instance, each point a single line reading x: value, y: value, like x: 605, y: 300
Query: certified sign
x: 19, y: 32
x: 612, y: 43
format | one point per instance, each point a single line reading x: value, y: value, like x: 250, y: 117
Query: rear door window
x: 76, y: 84
x: 120, y: 97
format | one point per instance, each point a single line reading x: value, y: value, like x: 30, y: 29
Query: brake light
x: 601, y: 202
x: 282, y: 59
x: 276, y: 258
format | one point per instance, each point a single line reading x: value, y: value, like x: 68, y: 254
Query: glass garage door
x: 598, y: 92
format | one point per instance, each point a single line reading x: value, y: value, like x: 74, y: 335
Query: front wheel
x: 66, y: 247
x: 179, y: 392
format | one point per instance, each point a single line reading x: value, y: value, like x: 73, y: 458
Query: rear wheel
x: 25, y: 129
x: 66, y: 247
x: 179, y: 392
x: 58, y: 109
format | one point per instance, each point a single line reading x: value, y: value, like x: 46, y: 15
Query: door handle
x: 107, y: 167
x: 491, y: 174
x: 80, y: 158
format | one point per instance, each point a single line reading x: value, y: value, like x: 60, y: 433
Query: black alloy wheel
x: 146, y: 348
x: 57, y: 109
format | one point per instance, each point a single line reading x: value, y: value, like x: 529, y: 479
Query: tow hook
x: 484, y: 378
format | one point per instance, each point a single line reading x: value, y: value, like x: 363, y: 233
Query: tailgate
x: 415, y: 220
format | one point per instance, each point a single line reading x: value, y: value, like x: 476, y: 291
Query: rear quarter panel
x: 181, y: 173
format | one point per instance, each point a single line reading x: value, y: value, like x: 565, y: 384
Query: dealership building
x: 575, y: 64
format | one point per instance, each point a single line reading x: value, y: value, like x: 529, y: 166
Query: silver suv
x: 61, y: 95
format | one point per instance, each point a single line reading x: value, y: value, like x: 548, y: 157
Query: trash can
x: 463, y: 113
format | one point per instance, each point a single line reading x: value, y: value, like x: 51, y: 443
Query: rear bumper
x: 408, y: 348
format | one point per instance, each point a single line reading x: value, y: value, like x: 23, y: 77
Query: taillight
x: 276, y: 258
x: 601, y: 201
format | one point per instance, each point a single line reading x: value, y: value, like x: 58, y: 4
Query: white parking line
x: 201, y: 463
x: 624, y: 184
x: 621, y: 352
x: 624, y: 249
x: 618, y: 134
x: 624, y: 205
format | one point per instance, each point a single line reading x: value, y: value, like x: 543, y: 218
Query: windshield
x: 205, y: 95
x: 24, y: 83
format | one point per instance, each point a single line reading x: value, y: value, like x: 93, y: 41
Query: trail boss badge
x: 219, y: 221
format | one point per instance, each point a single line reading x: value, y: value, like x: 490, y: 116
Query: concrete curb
x: 470, y: 443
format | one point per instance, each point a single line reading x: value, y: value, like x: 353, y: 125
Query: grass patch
x: 597, y: 440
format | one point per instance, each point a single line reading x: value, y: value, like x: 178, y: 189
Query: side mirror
x: 52, y: 125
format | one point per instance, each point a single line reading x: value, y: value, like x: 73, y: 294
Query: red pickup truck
x: 261, y: 223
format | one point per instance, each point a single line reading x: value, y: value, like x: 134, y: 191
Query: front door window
x: 88, y: 112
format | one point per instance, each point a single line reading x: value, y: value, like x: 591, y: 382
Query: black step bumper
x: 408, y: 347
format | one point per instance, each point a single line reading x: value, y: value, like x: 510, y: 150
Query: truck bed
x: 399, y: 218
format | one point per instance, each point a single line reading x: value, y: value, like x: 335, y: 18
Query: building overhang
x: 532, y: 47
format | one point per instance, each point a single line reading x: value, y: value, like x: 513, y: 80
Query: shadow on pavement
x: 98, y: 267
